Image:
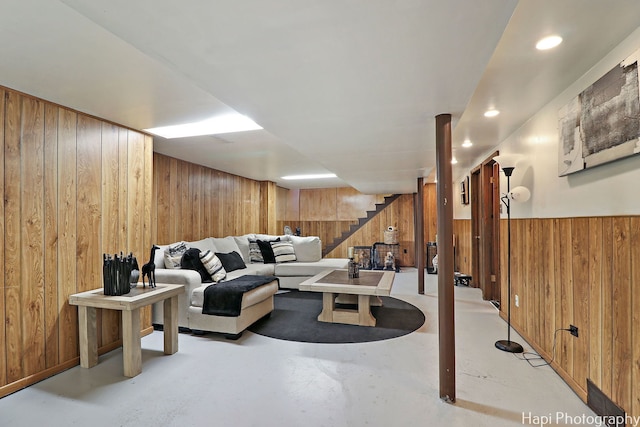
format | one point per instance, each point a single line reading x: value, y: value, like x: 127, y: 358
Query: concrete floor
x: 259, y: 381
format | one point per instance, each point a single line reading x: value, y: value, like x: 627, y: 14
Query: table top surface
x: 370, y: 282
x: 136, y: 298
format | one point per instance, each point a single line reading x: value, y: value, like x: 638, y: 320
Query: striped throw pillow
x: 283, y: 251
x: 213, y: 265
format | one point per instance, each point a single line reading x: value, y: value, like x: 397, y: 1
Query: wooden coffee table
x: 370, y: 284
x: 130, y: 305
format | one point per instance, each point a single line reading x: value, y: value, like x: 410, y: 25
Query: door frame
x: 485, y: 228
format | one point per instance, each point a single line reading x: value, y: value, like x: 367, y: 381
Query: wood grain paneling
x: 319, y: 204
x: 622, y: 331
x: 111, y: 242
x: 635, y: 316
x: 192, y: 202
x: 582, y: 272
x: 89, y: 207
x: 67, y: 240
x: 32, y: 229
x: 398, y: 214
x: 430, y: 217
x: 12, y: 237
x: 3, y: 316
x: 52, y: 344
x: 63, y: 184
x: 348, y: 205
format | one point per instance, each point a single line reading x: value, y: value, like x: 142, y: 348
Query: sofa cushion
x: 309, y: 268
x: 267, y: 251
x: 204, y: 245
x: 250, y: 298
x: 243, y: 245
x: 231, y: 261
x: 225, y: 244
x: 283, y: 252
x: 213, y: 265
x: 173, y: 254
x: 308, y: 249
x: 255, y: 268
x: 158, y: 258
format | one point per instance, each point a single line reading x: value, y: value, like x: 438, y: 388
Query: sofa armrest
x: 189, y: 278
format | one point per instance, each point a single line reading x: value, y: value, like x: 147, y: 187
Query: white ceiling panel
x: 345, y: 87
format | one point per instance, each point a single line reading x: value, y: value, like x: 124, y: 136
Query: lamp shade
x: 519, y: 194
x: 508, y: 160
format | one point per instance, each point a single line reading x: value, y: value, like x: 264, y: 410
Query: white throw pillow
x: 213, y: 265
x: 225, y: 244
x: 307, y: 249
x: 243, y: 245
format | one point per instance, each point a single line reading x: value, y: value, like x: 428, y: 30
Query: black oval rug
x: 295, y: 318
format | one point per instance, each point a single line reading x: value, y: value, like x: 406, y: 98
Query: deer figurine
x: 149, y: 269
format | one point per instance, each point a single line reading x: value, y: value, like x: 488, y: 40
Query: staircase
x: 361, y: 221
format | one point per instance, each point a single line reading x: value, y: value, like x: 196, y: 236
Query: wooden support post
x: 419, y: 234
x: 446, y: 325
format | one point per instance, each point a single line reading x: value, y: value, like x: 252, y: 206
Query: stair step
x: 361, y: 222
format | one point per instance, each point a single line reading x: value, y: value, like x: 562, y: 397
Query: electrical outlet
x: 573, y: 330
x: 517, y: 301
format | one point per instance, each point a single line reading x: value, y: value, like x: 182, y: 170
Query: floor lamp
x: 508, y: 163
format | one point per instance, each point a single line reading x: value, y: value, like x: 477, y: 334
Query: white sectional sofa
x: 256, y: 303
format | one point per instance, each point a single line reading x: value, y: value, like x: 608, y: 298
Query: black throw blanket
x: 225, y: 298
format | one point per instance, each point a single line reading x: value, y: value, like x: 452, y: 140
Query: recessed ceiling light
x: 467, y: 143
x: 310, y: 176
x: 454, y: 161
x: 548, y: 42
x: 216, y: 125
x: 491, y: 113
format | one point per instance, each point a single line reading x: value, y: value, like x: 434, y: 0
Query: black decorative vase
x: 117, y: 273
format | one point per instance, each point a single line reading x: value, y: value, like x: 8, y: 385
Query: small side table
x: 130, y: 305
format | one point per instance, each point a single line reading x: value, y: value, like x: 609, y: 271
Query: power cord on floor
x: 538, y: 356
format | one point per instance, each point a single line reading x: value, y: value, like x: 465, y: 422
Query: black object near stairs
x: 361, y: 221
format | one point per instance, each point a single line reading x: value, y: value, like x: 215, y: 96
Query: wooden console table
x: 130, y: 305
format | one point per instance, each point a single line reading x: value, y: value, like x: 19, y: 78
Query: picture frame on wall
x: 602, y: 123
x: 464, y: 191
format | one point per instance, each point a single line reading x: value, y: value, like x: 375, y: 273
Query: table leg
x: 365, y: 318
x: 328, y: 306
x: 88, y: 336
x: 171, y: 325
x: 131, y: 348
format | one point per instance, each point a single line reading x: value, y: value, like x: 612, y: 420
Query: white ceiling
x: 344, y: 86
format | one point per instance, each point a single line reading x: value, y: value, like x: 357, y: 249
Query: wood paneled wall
x: 462, y: 232
x: 430, y: 217
x: 74, y: 187
x: 584, y: 272
x: 192, y: 202
x: 342, y: 207
x: 400, y: 214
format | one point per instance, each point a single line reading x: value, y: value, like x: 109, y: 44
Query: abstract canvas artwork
x: 602, y: 124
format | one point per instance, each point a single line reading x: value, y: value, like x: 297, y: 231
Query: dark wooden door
x: 485, y: 228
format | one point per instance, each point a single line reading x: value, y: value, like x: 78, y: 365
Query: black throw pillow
x: 191, y: 261
x: 231, y: 261
x: 267, y: 251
